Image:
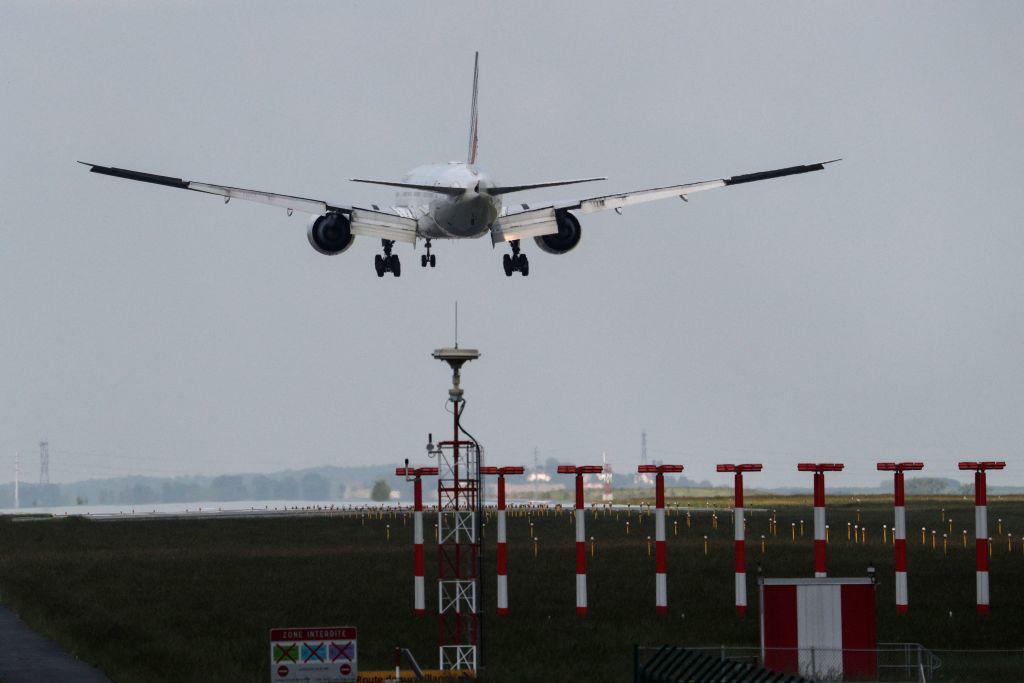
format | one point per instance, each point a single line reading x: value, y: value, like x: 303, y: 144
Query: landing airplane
x: 457, y: 200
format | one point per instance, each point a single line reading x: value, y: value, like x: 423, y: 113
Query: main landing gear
x: 388, y: 262
x: 428, y: 258
x: 516, y: 262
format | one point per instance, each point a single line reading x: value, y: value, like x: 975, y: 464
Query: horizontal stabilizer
x: 519, y: 188
x: 439, y: 189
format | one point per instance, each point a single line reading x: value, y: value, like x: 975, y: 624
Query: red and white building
x: 819, y: 628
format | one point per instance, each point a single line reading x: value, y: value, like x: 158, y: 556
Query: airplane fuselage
x: 467, y: 215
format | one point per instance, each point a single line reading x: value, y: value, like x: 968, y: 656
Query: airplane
x: 454, y: 200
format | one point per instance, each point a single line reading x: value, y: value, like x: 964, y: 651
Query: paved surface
x: 31, y: 658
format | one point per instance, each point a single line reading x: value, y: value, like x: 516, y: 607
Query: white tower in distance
x: 44, y: 462
x: 17, y: 479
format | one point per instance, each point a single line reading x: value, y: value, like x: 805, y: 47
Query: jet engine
x: 567, y: 237
x: 330, y: 234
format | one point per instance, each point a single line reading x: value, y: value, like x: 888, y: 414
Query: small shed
x: 820, y: 628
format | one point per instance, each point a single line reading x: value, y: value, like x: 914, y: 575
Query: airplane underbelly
x: 463, y: 219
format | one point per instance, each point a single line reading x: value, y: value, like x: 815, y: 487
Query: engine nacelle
x: 330, y: 234
x: 567, y: 237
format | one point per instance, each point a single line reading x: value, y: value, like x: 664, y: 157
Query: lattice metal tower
x: 641, y: 479
x: 44, y: 462
x: 17, y: 479
x: 460, y: 618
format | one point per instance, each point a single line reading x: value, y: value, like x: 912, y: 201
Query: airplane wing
x: 397, y: 224
x: 618, y: 201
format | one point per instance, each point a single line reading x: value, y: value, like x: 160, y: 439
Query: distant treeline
x: 319, y: 484
x: 314, y: 484
x: 354, y: 484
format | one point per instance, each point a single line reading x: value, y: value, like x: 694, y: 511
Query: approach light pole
x: 415, y: 474
x: 660, y: 577
x: 502, y: 549
x: 581, y: 534
x: 981, y: 527
x: 899, y: 528
x: 739, y: 534
x: 819, y: 470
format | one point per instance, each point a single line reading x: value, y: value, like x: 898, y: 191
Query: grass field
x: 194, y: 600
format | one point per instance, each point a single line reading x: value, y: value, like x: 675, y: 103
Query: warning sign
x: 313, y: 655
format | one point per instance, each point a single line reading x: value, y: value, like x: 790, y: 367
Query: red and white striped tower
x: 739, y: 535
x: 899, y: 528
x: 981, y: 526
x: 581, y: 534
x: 502, y: 554
x: 660, y: 579
x: 819, y: 470
x: 419, y: 606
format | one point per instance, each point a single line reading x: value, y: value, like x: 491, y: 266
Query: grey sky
x: 871, y: 311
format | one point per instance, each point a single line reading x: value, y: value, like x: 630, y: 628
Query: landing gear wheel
x: 428, y: 258
x: 387, y: 262
x: 524, y: 265
x: 507, y: 262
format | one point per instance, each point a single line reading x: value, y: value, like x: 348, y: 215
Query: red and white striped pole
x: 581, y: 534
x: 739, y: 534
x: 502, y: 550
x: 419, y: 604
x: 899, y: 528
x: 819, y: 470
x: 660, y: 578
x: 981, y: 527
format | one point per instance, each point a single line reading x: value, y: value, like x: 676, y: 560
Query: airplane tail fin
x: 473, y: 139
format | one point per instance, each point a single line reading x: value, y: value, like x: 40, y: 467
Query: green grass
x: 194, y: 600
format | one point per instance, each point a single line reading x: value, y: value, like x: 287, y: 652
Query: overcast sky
x: 872, y: 311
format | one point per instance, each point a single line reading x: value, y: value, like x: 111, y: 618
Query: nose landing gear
x: 516, y: 261
x: 388, y: 262
x: 428, y: 258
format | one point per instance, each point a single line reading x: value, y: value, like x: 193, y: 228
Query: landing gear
x: 516, y: 261
x: 388, y: 262
x: 428, y: 258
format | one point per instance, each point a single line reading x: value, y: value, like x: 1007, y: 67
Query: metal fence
x: 890, y: 662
